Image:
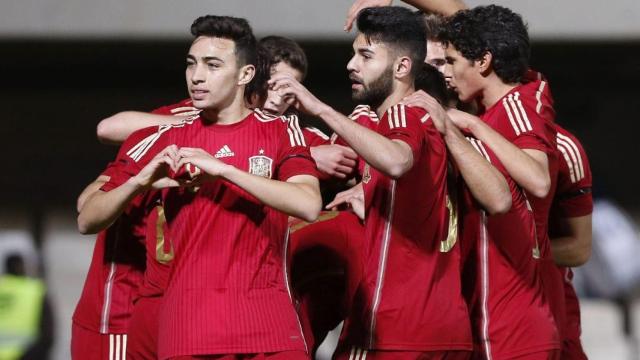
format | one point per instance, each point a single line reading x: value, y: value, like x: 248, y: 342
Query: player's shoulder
x: 398, y: 114
x: 140, y: 142
x: 363, y: 111
x: 181, y: 108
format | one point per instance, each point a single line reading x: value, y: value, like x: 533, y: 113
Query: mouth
x: 270, y: 111
x: 198, y: 94
x: 356, y: 83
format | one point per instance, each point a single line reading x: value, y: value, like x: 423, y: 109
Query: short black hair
x: 397, y: 27
x: 494, y: 29
x: 259, y: 85
x: 226, y: 27
x: 283, y: 49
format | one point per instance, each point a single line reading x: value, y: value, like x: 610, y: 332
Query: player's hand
x: 434, y: 110
x: 155, y: 173
x: 352, y: 198
x: 204, y: 166
x: 461, y: 119
x: 358, y: 5
x: 296, y: 94
x: 335, y: 160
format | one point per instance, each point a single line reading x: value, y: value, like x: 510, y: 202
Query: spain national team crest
x: 260, y: 165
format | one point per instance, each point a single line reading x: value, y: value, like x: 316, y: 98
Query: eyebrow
x: 365, y: 51
x: 206, y: 58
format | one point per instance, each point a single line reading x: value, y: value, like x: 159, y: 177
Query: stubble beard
x: 377, y: 91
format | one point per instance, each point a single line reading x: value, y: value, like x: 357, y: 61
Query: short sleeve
x: 137, y: 151
x: 404, y: 123
x: 294, y: 157
x: 573, y: 196
x: 526, y: 127
x: 315, y: 137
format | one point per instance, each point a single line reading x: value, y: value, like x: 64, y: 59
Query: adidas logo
x: 224, y: 152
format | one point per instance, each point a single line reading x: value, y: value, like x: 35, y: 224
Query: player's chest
x: 254, y: 153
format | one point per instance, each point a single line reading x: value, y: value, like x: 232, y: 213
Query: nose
x: 351, y: 65
x: 197, y: 74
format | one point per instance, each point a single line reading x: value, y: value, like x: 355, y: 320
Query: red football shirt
x: 410, y: 296
x: 228, y: 291
x: 572, y: 199
x: 115, y: 274
x: 510, y: 314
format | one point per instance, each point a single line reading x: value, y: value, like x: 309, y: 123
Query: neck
x: 402, y: 90
x: 495, y: 91
x: 232, y: 113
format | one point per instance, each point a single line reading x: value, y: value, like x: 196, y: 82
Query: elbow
x: 541, y: 188
x: 312, y: 212
x: 501, y: 205
x: 103, y: 131
x: 85, y: 227
x: 582, y: 258
x: 399, y: 168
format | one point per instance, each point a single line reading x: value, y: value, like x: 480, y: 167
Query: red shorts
x: 571, y: 345
x: 282, y: 355
x: 91, y: 345
x: 143, y: 329
x: 355, y: 353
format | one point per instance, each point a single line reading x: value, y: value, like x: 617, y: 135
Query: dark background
x: 55, y: 92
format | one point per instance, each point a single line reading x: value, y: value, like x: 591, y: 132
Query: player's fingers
x: 350, y: 163
x: 348, y: 152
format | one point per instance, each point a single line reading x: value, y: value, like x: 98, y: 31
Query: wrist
x: 227, y: 171
x: 135, y: 185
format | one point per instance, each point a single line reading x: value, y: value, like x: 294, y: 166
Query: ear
x: 246, y: 74
x: 484, y: 64
x: 402, y: 67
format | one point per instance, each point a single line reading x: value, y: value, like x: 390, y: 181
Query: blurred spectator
x: 26, y: 322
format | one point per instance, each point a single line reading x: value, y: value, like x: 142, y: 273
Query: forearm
x: 443, y: 7
x: 486, y: 183
x: 89, y: 190
x: 522, y: 167
x: 116, y: 129
x: 102, y: 208
x: 385, y: 155
x: 301, y: 200
x: 572, y: 246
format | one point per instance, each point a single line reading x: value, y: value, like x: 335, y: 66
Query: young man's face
x: 275, y: 104
x: 465, y: 77
x: 371, y: 72
x: 212, y: 72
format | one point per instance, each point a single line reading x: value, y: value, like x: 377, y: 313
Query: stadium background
x: 66, y: 64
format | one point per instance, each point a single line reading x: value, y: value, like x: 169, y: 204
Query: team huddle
x: 454, y: 204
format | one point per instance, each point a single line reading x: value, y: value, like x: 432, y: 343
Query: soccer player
x: 488, y: 53
x: 409, y: 302
x: 228, y: 292
x: 102, y: 319
x: 570, y: 231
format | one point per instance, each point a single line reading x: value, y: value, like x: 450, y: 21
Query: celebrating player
x: 228, y: 292
x: 407, y: 248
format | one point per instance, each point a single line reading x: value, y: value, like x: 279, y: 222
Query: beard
x: 375, y: 93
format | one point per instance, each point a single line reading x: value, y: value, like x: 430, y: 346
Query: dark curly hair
x: 431, y: 81
x: 494, y: 29
x: 283, y: 49
x: 398, y: 28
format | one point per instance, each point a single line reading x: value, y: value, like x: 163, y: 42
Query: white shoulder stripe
x: 403, y: 116
x: 389, y: 119
x: 510, y: 115
x: 183, y: 109
x: 516, y: 113
x: 140, y: 149
x: 567, y: 155
x: 573, y: 145
x: 523, y: 112
x: 296, y: 138
x: 318, y: 132
x: 538, y: 95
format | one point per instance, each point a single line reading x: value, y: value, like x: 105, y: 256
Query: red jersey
x: 228, y: 291
x: 115, y: 272
x: 510, y: 314
x: 410, y: 295
x: 572, y: 199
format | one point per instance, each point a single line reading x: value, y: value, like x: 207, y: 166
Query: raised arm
x: 102, y: 208
x: 90, y: 190
x: 528, y: 167
x: 115, y: 129
x: 443, y: 7
x: 391, y: 157
x: 298, y: 196
x: 486, y: 183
